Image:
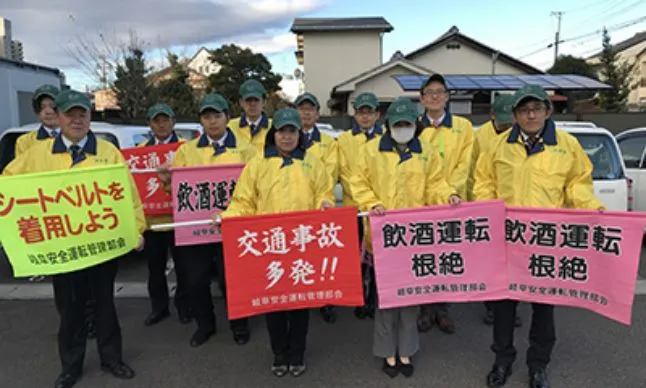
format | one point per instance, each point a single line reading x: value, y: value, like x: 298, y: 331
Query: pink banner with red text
x: 575, y: 258
x: 485, y: 251
x: 440, y: 254
x: 199, y: 193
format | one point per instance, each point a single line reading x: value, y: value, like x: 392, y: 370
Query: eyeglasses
x: 526, y: 110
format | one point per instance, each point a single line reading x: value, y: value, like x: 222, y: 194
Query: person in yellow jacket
x: 253, y: 124
x: 501, y: 120
x: 286, y: 177
x: 43, y: 105
x: 365, y: 128
x: 325, y: 148
x: 398, y: 171
x: 217, y: 145
x: 452, y: 137
x: 532, y: 165
x: 161, y: 119
x: 77, y: 147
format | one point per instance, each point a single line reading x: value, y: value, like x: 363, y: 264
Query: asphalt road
x: 591, y: 352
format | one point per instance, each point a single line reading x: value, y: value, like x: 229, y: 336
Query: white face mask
x: 402, y: 135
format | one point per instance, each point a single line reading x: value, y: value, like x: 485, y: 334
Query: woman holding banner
x: 217, y: 145
x: 399, y: 171
x: 286, y: 178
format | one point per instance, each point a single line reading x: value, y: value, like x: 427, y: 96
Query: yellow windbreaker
x: 327, y: 149
x: 272, y: 184
x: 453, y: 140
x: 350, y: 142
x: 556, y: 173
x: 27, y: 140
x: 241, y: 128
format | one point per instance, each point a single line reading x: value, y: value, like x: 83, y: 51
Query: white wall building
x: 18, y: 80
x: 202, y: 64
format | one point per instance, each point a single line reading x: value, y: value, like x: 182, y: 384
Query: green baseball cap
x: 287, y: 116
x: 366, y: 100
x: 530, y: 91
x: 68, y: 99
x: 402, y: 109
x: 46, y: 90
x: 214, y: 101
x: 160, y: 109
x: 308, y: 97
x: 251, y: 88
x: 502, y: 107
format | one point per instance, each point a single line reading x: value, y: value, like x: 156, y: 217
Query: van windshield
x: 603, y: 154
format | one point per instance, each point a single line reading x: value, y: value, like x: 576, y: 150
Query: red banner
x: 292, y: 261
x: 156, y: 201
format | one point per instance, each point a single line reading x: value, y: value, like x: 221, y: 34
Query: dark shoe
x: 329, y: 314
x: 445, y: 323
x: 538, y: 379
x: 498, y: 376
x: 280, y: 367
x: 425, y: 320
x: 119, y: 370
x: 488, y: 318
x: 156, y: 316
x: 241, y: 337
x: 390, y: 370
x: 406, y: 369
x: 297, y: 370
x: 360, y: 312
x: 200, y: 337
x: 66, y: 380
x: 184, y: 316
x: 518, y: 322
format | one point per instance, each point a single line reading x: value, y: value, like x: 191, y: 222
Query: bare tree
x: 98, y: 56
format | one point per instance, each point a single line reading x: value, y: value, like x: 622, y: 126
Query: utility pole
x: 557, y: 36
x: 494, y: 59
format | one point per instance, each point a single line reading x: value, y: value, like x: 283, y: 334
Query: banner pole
x: 175, y: 225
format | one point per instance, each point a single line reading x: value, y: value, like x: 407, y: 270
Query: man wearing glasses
x: 533, y: 165
x: 452, y: 137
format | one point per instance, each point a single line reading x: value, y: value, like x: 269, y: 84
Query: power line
x: 616, y: 27
x: 621, y: 11
x: 587, y: 7
x: 612, y: 4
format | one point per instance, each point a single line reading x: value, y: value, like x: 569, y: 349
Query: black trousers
x: 542, y: 334
x: 71, y: 293
x: 236, y: 325
x: 288, y: 335
x: 198, y: 262
x: 156, y: 251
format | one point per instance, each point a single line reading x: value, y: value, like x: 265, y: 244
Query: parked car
x: 612, y: 185
x: 120, y: 135
x: 575, y: 124
x: 632, y: 144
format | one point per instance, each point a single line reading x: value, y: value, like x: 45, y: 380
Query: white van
x: 611, y: 184
x: 632, y: 144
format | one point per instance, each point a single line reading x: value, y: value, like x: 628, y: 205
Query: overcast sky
x: 520, y: 29
x: 48, y: 27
